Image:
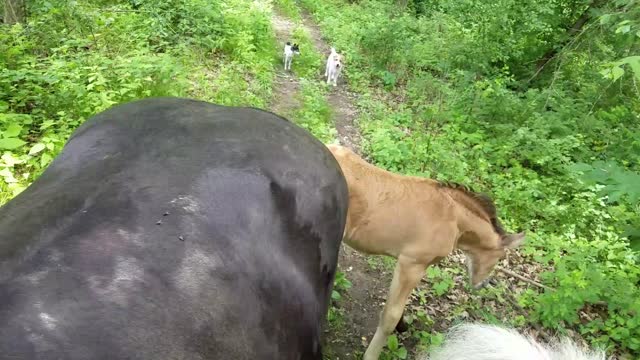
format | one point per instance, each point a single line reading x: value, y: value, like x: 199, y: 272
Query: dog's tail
x: 333, y: 50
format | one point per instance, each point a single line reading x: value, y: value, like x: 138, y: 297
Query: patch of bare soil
x: 285, y: 97
x: 344, y: 116
x: 316, y: 36
x: 286, y: 85
x: 359, y: 307
x: 341, y: 100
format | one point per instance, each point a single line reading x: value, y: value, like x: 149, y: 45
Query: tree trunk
x: 13, y: 11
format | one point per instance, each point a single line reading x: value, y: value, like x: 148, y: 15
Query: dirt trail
x: 361, y: 303
x: 286, y: 85
x: 341, y: 100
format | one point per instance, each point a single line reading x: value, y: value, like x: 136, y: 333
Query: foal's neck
x: 473, y: 224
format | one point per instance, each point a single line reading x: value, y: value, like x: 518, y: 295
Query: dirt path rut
x: 286, y: 86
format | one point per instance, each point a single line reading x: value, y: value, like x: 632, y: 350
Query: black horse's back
x: 174, y: 229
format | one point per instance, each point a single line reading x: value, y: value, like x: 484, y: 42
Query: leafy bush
x: 451, y: 90
x: 74, y: 59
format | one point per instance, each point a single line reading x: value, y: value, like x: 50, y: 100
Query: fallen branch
x: 533, y: 282
x: 516, y: 275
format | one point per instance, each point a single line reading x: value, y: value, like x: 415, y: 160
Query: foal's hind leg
x: 406, y: 276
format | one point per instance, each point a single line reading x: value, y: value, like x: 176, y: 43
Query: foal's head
x: 484, y: 240
x: 481, y: 259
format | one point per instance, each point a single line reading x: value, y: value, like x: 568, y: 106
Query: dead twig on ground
x: 525, y: 279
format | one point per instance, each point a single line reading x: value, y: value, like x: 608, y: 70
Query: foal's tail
x: 488, y: 342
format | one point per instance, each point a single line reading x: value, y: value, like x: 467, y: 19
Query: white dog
x: 334, y: 66
x: 289, y: 51
x: 470, y: 341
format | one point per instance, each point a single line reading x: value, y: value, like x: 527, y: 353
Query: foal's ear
x: 512, y: 241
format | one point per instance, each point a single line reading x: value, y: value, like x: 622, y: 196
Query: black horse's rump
x: 174, y: 229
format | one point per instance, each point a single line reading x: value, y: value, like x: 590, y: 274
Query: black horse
x: 170, y: 228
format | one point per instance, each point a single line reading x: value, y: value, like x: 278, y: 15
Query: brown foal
x: 418, y: 221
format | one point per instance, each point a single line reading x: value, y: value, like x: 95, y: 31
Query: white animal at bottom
x: 334, y: 67
x: 489, y: 342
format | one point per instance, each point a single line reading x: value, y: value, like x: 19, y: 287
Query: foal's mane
x: 483, y: 203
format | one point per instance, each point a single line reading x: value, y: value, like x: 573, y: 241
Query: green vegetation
x: 313, y: 113
x: 340, y: 284
x: 536, y: 104
x: 73, y: 59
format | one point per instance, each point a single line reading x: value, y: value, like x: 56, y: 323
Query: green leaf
x: 634, y: 64
x: 392, y: 343
x: 36, y: 148
x: 9, y: 160
x: 335, y: 295
x: 17, y: 189
x: 45, y: 159
x: 617, y: 72
x: 623, y: 29
x: 47, y: 124
x: 7, y: 175
x: 436, y: 339
x: 13, y: 130
x: 604, y: 19
x: 440, y: 288
x: 402, y: 353
x: 10, y: 143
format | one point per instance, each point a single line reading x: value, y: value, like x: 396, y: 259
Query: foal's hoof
x: 402, y: 326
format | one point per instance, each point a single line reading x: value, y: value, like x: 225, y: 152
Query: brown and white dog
x: 334, y: 67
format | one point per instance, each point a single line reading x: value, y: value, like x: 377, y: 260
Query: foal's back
x: 391, y: 213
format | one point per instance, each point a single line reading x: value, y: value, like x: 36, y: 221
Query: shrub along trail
x: 286, y: 86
